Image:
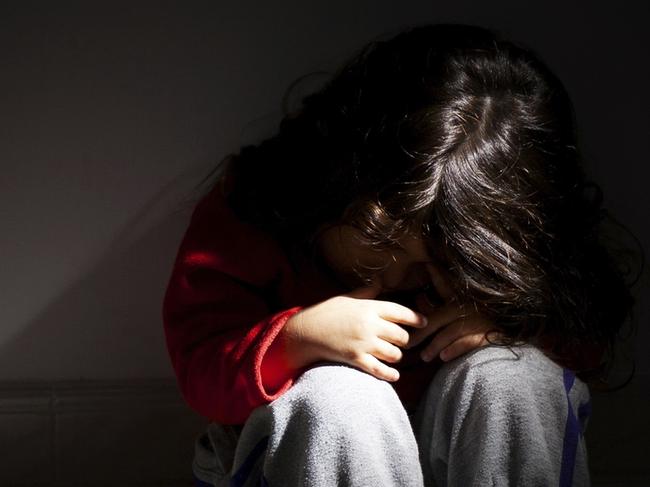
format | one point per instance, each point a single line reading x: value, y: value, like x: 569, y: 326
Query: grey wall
x: 109, y: 115
x: 110, y: 112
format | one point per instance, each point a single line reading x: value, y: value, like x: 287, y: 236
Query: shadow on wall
x: 108, y: 324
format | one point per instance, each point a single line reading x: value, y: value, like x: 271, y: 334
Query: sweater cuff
x: 273, y: 373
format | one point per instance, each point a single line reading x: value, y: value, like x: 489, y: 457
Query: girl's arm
x: 219, y: 326
x: 233, y: 348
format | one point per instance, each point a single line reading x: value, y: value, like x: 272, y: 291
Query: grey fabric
x: 499, y: 417
x: 214, y: 452
x: 491, y: 417
x: 335, y: 426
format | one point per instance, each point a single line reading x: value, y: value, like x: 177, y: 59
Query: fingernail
x: 426, y: 356
x: 444, y: 354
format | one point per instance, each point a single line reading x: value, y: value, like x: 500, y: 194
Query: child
x: 400, y: 286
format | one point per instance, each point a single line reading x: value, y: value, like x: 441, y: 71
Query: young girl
x: 399, y: 287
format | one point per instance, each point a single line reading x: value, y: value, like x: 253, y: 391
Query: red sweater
x: 232, y: 288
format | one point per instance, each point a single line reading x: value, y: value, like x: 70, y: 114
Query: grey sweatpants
x: 492, y: 417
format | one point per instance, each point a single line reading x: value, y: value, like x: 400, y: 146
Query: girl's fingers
x: 374, y: 367
x: 463, y: 345
x: 394, y: 334
x: 440, y: 317
x: 464, y: 326
x: 386, y: 351
x: 396, y: 313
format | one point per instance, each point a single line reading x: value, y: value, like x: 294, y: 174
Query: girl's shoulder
x: 218, y: 237
x: 214, y: 212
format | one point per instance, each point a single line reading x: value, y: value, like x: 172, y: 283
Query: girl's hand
x: 457, y: 328
x: 353, y: 328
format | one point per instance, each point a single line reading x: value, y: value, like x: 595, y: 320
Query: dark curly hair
x: 455, y: 133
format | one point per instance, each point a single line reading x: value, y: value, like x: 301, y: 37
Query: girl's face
x: 394, y: 270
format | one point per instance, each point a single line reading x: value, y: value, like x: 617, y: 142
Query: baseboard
x: 141, y: 433
x: 96, y: 433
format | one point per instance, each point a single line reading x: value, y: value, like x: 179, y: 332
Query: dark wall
x: 110, y: 112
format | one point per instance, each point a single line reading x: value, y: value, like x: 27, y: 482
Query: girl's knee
x: 337, y: 420
x: 335, y: 392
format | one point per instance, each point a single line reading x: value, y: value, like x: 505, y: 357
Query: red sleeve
x: 220, y: 328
